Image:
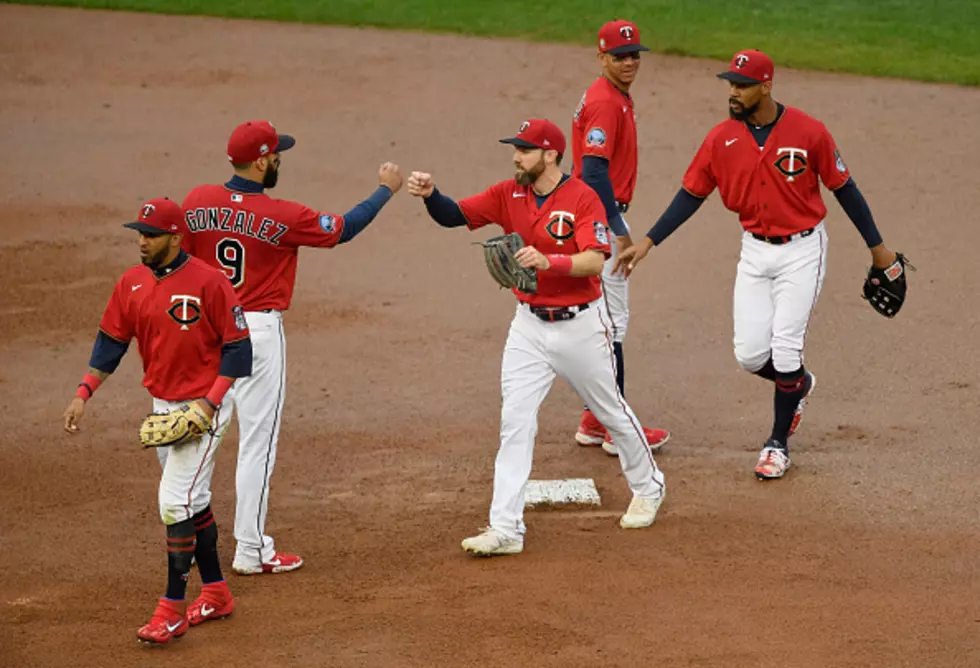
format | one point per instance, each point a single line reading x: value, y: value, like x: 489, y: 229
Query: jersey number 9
x: 231, y: 256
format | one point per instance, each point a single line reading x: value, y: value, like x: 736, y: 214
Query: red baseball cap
x: 157, y: 217
x: 538, y: 133
x: 253, y: 139
x: 749, y: 67
x: 620, y: 37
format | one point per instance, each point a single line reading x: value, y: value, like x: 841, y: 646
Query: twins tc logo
x: 740, y: 61
x: 186, y: 311
x: 561, y: 226
x: 524, y: 126
x: 626, y: 32
x: 791, y: 162
x: 148, y: 210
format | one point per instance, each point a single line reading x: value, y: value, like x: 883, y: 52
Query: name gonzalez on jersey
x: 214, y: 218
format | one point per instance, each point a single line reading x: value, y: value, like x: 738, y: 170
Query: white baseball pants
x: 185, y: 485
x: 776, y: 288
x: 580, y: 351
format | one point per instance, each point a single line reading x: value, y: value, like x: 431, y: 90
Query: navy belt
x: 557, y: 313
x: 778, y: 241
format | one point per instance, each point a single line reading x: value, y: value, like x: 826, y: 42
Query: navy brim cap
x: 517, y: 141
x: 627, y: 48
x: 148, y: 230
x: 286, y: 142
x: 738, y: 78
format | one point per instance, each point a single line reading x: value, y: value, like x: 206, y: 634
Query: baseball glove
x: 885, y: 288
x: 177, y: 427
x: 498, y: 253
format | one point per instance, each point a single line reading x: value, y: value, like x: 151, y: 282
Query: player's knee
x: 786, y: 359
x: 751, y: 358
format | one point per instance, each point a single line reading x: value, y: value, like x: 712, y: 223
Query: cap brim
x: 148, y: 230
x: 627, y: 48
x: 738, y: 78
x: 516, y: 141
x: 286, y: 142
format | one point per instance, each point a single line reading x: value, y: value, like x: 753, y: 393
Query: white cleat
x: 773, y: 461
x: 492, y: 543
x: 641, y: 513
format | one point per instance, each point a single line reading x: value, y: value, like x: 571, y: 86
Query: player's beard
x: 526, y: 178
x: 155, y: 260
x: 746, y: 111
x: 270, y: 178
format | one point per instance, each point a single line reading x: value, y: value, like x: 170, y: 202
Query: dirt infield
x: 866, y: 555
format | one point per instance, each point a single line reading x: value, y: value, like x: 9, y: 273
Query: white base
x: 577, y: 491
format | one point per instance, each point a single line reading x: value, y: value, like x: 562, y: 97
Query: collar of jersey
x: 243, y: 185
x: 178, y: 262
x: 615, y: 87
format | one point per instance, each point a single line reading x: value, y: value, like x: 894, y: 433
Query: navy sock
x: 180, y: 553
x: 790, y: 388
x: 207, y: 547
x: 620, y: 369
x: 768, y: 371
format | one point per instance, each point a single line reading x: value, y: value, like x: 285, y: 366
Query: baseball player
x: 561, y: 329
x: 767, y: 161
x: 194, y: 343
x: 255, y: 240
x: 604, y: 151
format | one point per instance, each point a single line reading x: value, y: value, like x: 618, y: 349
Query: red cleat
x: 215, y: 602
x: 655, y: 439
x: 590, y: 430
x: 280, y: 563
x: 169, y: 621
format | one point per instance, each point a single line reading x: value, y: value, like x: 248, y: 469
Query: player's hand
x: 629, y: 258
x: 622, y: 243
x: 420, y: 184
x: 531, y: 258
x: 73, y: 414
x: 389, y: 175
x: 881, y: 257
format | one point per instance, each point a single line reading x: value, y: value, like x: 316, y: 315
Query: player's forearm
x: 856, y: 207
x: 595, y: 172
x: 682, y: 207
x: 357, y: 219
x: 90, y: 383
x: 444, y: 210
x: 586, y: 263
x: 236, y: 362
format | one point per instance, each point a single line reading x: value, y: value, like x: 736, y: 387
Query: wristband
x: 218, y: 391
x: 87, y: 387
x: 560, y: 265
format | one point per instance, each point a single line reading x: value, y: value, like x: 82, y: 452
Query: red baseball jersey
x: 776, y: 189
x: 604, y: 125
x: 180, y: 322
x: 255, y: 240
x: 571, y: 220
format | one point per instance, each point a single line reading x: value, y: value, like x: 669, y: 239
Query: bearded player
x: 768, y: 161
x: 255, y: 239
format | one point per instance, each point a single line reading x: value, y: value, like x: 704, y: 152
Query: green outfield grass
x: 929, y: 40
